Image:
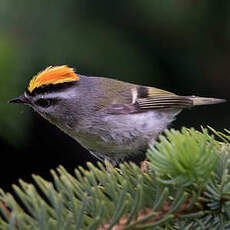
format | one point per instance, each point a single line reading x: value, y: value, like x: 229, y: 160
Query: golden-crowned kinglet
x: 114, y: 120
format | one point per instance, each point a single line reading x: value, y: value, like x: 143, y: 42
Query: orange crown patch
x: 53, y: 75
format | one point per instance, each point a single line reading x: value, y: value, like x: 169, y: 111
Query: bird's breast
x: 121, y: 134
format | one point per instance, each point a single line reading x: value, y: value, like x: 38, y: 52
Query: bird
x: 114, y: 120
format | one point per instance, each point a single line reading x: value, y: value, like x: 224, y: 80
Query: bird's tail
x: 205, y: 100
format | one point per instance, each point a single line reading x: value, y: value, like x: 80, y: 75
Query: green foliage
x: 184, y: 157
x: 186, y: 185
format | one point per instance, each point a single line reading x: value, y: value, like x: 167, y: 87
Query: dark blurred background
x: 177, y: 45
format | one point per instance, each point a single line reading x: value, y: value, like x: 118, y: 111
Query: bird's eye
x: 43, y: 102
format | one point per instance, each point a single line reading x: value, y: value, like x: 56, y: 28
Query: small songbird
x: 114, y: 120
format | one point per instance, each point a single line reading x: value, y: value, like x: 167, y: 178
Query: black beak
x: 20, y: 99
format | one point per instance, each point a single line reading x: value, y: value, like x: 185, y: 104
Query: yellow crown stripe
x: 53, y: 75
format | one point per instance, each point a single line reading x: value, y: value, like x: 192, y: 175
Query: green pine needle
x: 184, y: 157
x: 186, y: 185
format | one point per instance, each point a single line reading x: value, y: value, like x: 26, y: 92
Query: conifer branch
x: 185, y: 185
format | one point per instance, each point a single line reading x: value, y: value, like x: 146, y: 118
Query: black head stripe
x: 51, y: 88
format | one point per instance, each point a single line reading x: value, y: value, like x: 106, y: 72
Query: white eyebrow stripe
x: 25, y: 94
x: 65, y: 95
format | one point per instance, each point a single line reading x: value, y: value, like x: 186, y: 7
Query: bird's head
x: 51, y: 93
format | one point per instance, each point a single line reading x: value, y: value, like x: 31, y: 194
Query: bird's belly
x: 119, y: 135
x: 110, y: 146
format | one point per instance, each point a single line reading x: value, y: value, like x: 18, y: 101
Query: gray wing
x: 148, y: 98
